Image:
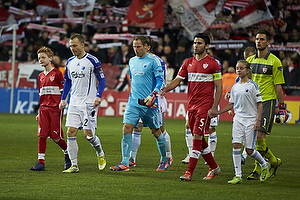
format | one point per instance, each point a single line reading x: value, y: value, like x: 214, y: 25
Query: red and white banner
x: 54, y: 7
x: 82, y: 5
x: 146, y: 13
x: 21, y: 13
x: 196, y: 16
x: 46, y: 28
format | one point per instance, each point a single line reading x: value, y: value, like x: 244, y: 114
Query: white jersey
x: 245, y: 98
x: 82, y: 73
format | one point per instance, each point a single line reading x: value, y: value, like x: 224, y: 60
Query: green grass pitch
x: 18, y: 152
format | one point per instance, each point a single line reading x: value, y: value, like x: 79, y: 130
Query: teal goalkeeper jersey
x: 146, y: 76
x: 266, y: 72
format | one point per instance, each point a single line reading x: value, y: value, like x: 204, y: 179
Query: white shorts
x: 244, y: 133
x: 163, y: 105
x: 82, y: 117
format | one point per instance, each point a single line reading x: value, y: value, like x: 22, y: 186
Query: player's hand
x: 257, y: 125
x: 37, y: 117
x: 97, y: 102
x: 62, y: 104
x: 282, y: 115
x: 227, y: 96
x: 150, y: 99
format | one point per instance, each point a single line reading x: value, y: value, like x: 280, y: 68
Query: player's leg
x: 167, y: 138
x: 213, y: 139
x: 57, y: 135
x: 136, y: 142
x: 72, y: 150
x: 43, y: 131
x: 238, y: 132
x: 189, y: 141
x: 130, y: 120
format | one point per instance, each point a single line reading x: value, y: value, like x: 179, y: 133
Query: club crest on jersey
x: 205, y: 65
x: 265, y: 70
x: 145, y: 65
x: 52, y: 78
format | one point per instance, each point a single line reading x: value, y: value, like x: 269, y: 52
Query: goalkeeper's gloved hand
x: 149, y: 101
x: 282, y: 115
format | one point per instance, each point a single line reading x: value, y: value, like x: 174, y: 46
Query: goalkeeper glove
x: 149, y: 101
x: 281, y: 116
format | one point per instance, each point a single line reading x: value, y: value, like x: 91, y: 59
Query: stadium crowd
x: 173, y: 43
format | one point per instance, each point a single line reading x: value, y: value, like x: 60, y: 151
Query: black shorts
x: 267, y: 117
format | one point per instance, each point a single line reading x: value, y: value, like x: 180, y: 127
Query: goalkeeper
x: 146, y: 77
x: 267, y: 72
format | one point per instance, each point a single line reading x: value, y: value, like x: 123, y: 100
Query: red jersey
x: 200, y: 80
x: 50, y: 87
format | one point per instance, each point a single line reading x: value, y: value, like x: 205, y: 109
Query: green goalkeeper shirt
x: 266, y: 72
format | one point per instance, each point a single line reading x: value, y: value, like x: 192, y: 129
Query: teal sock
x: 126, y: 148
x: 161, y: 144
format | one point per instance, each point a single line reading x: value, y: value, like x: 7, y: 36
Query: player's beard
x: 199, y: 52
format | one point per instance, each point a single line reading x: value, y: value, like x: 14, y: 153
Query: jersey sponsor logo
x: 137, y: 72
x: 205, y: 65
x: 190, y: 65
x: 52, y: 77
x: 200, y: 77
x: 77, y: 75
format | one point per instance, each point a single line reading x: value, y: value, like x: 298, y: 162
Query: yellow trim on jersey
x: 217, y: 76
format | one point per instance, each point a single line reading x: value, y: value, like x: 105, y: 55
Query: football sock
x: 96, y: 144
x: 271, y: 157
x: 261, y: 148
x: 72, y: 149
x: 194, y: 156
x: 42, y: 149
x: 189, y: 140
x: 161, y: 145
x: 256, y: 155
x: 126, y: 148
x: 212, y: 141
x: 244, y: 153
x: 62, y: 144
x: 136, y: 142
x: 236, y: 155
x: 168, y: 144
x: 207, y: 155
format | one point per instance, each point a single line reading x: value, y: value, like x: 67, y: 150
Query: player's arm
x: 223, y: 110
x: 101, y: 78
x: 259, y: 113
x: 67, y: 87
x: 218, y: 92
x: 171, y: 86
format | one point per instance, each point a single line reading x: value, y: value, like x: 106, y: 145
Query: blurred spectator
x: 292, y: 78
x: 127, y: 53
x: 225, y: 66
x: 228, y: 79
x: 101, y: 54
x: 181, y: 54
x: 295, y: 35
x: 114, y: 56
x: 249, y: 51
x: 168, y: 53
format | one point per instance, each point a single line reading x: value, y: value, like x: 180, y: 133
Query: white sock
x: 168, y: 144
x: 212, y: 141
x: 236, y: 155
x: 72, y: 149
x: 245, y: 153
x: 189, y: 140
x: 96, y: 144
x: 136, y: 142
x: 256, y: 155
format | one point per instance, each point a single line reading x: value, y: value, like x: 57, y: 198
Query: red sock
x: 42, y: 149
x: 62, y: 144
x: 197, y: 145
x: 208, y: 157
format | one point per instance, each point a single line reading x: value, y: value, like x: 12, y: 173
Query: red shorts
x: 50, y: 120
x: 199, y: 121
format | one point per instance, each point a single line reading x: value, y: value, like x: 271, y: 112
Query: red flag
x: 49, y: 7
x: 146, y: 13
